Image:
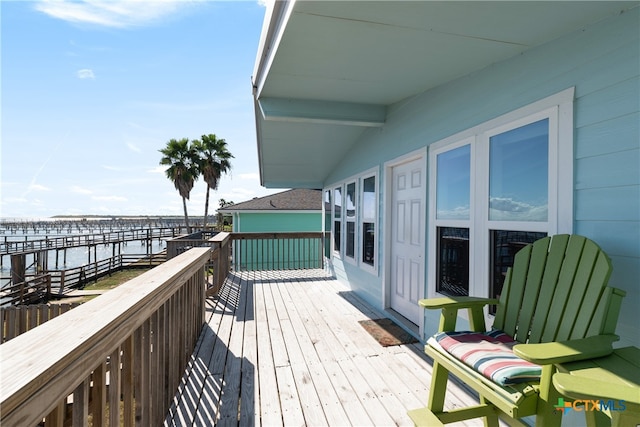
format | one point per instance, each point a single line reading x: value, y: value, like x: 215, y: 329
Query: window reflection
x: 337, y: 215
x: 453, y: 261
x: 518, y: 173
x: 368, y: 220
x: 453, y: 183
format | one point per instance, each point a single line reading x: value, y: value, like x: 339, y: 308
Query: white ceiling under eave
x: 328, y: 70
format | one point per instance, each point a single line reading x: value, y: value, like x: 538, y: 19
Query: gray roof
x: 291, y: 200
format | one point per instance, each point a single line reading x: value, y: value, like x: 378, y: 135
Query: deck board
x: 285, y: 348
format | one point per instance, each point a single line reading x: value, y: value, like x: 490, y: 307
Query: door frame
x: 420, y: 154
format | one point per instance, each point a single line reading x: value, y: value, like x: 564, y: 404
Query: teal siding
x: 257, y: 222
x: 602, y: 61
x: 281, y: 254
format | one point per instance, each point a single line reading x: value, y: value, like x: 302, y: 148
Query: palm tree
x: 182, y: 170
x: 223, y: 203
x: 214, y: 160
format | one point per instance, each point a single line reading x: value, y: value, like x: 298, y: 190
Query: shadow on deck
x: 285, y: 348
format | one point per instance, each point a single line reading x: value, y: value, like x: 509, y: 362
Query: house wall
x: 602, y: 62
x: 257, y: 222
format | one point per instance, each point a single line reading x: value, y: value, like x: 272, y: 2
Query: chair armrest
x: 576, y: 387
x: 566, y: 351
x: 455, y: 302
x: 450, y: 307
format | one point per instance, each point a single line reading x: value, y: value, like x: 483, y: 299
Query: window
x: 350, y: 221
x: 368, y: 219
x: 494, y: 189
x: 453, y: 192
x: 352, y: 208
x: 337, y: 220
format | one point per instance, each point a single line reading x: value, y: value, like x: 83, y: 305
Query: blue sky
x: 91, y: 90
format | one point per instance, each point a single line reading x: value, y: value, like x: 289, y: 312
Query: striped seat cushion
x: 489, y: 353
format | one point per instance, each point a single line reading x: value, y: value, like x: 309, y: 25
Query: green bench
x: 555, y: 306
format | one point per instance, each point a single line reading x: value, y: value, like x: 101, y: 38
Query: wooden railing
x: 277, y: 251
x: 19, y: 319
x: 183, y: 243
x: 136, y: 338
x: 32, y: 290
x: 126, y: 350
x: 64, y: 280
x: 220, y: 263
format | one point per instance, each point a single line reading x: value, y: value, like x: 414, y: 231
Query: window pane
x: 504, y: 245
x: 351, y: 201
x: 327, y: 222
x: 351, y: 235
x: 336, y: 236
x: 518, y: 175
x: 368, y: 243
x: 453, y: 261
x: 453, y: 183
x: 369, y: 198
x: 337, y: 214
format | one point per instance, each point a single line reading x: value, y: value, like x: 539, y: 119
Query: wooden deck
x: 285, y: 348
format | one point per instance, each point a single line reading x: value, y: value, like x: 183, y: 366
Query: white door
x: 407, y: 239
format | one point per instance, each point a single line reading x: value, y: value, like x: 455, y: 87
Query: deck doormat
x: 387, y: 333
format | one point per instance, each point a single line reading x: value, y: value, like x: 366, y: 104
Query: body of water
x: 76, y: 257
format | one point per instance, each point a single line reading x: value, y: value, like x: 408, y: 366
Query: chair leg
x: 489, y: 420
x: 546, y: 413
x: 439, y: 379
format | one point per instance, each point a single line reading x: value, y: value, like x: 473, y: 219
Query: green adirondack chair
x: 556, y: 307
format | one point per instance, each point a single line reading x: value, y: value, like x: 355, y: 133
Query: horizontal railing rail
x: 277, y: 251
x: 136, y: 338
x: 62, y: 281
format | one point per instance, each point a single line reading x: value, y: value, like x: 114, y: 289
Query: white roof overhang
x: 328, y: 70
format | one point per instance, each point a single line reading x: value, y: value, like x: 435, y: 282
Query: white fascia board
x: 275, y: 21
x: 327, y: 112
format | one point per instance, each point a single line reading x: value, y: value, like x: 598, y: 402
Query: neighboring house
x: 291, y: 210
x: 298, y: 210
x: 448, y: 134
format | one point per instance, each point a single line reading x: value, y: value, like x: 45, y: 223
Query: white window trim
x: 340, y: 252
x: 559, y: 109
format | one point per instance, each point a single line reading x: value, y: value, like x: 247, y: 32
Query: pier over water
x: 86, y: 248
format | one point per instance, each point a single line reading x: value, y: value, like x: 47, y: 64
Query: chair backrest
x: 557, y: 290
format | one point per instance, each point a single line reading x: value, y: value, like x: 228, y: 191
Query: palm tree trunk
x: 206, y: 207
x: 186, y: 217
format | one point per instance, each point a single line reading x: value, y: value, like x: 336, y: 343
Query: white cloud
x: 157, y: 169
x: 38, y: 187
x: 111, y: 168
x: 110, y: 198
x: 507, y: 209
x: 80, y: 190
x: 119, y: 14
x: 85, y: 73
x: 133, y: 148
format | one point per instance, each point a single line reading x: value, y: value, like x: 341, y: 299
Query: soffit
x: 357, y: 57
